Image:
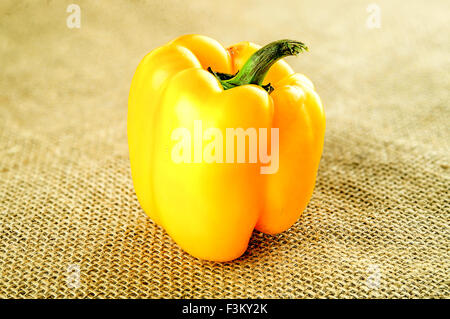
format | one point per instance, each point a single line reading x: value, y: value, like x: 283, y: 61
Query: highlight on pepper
x: 203, y: 124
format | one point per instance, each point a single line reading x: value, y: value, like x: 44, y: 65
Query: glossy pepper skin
x: 211, y: 209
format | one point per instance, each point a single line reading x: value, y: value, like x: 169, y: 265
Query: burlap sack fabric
x: 378, y: 222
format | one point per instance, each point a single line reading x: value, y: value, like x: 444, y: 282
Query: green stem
x: 255, y: 69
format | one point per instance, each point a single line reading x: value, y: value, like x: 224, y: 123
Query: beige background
x: 378, y: 222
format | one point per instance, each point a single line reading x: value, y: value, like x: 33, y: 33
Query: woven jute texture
x: 378, y: 222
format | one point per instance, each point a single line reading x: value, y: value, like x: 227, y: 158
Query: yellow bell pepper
x: 210, y: 208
